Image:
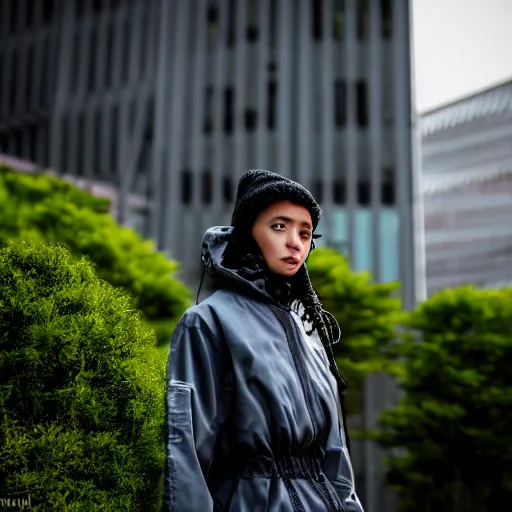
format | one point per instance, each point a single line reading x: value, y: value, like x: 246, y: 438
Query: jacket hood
x: 255, y: 282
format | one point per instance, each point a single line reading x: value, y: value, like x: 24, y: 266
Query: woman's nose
x: 294, y: 241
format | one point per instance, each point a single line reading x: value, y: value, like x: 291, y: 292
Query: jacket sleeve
x: 196, y: 406
x: 343, y: 481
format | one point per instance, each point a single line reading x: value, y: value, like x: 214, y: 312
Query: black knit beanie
x: 258, y: 189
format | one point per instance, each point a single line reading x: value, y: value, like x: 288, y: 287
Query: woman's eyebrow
x: 282, y: 218
x: 289, y: 219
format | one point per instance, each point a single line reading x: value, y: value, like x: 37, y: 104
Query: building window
x: 29, y: 66
x: 13, y: 82
x: 29, y: 17
x: 316, y: 19
x: 272, y: 25
x: 97, y: 145
x: 109, y: 56
x: 362, y: 19
x: 32, y: 133
x: 388, y: 186
x: 207, y: 187
x: 97, y: 6
x: 186, y: 187
x: 251, y: 119
x: 338, y: 21
x: 114, y: 148
x: 14, y: 16
x: 125, y: 49
x: 362, y: 103
x: 363, y: 193
x: 386, y: 7
x: 339, y: 192
x: 271, y: 104
x: 91, y: 65
x: 80, y: 144
x: 48, y: 10
x: 212, y: 26
x: 3, y: 142
x: 251, y: 30
x: 227, y: 189
x: 64, y: 144
x: 75, y: 64
x: 229, y: 109
x: 231, y: 23
x: 340, y: 103
x: 317, y: 190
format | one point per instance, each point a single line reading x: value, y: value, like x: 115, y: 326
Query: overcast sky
x: 461, y: 46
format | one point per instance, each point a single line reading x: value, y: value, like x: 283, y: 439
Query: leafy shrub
x: 44, y: 208
x: 81, y: 395
x: 366, y: 312
x: 453, y: 423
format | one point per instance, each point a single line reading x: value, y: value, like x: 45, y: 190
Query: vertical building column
x: 160, y: 116
x: 175, y: 111
x: 418, y: 201
x: 327, y: 109
x: 262, y: 156
x: 138, y: 91
x: 38, y: 70
x: 218, y: 87
x: 240, y: 88
x: 197, y: 164
x: 7, y: 72
x: 351, y: 160
x: 403, y: 155
x: 284, y: 86
x: 373, y: 400
x: 304, y: 106
x: 376, y: 127
x: 21, y: 63
x: 61, y: 94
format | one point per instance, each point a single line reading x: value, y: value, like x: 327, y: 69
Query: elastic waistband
x: 299, y: 467
x: 286, y: 467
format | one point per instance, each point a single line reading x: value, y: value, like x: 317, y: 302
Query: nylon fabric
x: 245, y: 433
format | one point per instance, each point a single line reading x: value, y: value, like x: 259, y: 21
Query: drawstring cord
x: 200, y: 285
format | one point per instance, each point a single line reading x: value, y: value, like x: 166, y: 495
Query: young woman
x: 254, y: 416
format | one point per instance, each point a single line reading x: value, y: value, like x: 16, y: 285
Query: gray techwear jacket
x: 252, y: 413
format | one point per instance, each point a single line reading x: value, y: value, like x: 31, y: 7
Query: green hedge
x: 452, y: 427
x: 43, y: 208
x: 81, y: 395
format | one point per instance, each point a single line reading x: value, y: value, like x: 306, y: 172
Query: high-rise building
x: 172, y: 100
x: 467, y: 187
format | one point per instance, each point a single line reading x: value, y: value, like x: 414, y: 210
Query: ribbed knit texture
x: 258, y: 189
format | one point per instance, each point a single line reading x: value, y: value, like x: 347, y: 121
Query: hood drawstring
x: 200, y: 285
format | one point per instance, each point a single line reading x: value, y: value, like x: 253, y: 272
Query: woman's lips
x: 291, y: 261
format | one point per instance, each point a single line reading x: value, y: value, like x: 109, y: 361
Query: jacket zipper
x: 304, y: 377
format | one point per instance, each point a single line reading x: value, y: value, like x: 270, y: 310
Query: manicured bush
x: 367, y: 312
x: 44, y: 208
x: 452, y: 427
x: 81, y: 394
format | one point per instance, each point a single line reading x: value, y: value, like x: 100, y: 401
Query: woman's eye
x: 278, y: 227
x: 305, y: 234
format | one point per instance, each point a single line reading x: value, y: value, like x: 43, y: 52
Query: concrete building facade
x: 467, y: 187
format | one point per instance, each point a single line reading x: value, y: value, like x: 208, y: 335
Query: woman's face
x: 283, y: 233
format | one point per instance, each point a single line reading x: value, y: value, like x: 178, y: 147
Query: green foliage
x: 367, y: 313
x: 453, y: 423
x: 43, y: 208
x: 81, y: 394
